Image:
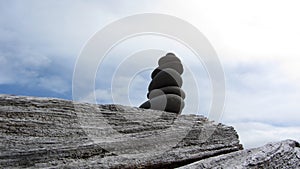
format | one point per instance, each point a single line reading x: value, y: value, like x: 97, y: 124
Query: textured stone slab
x: 283, y: 155
x: 55, y: 133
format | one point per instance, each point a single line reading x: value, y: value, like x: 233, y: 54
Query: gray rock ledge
x: 47, y: 132
x: 283, y: 155
x: 55, y: 133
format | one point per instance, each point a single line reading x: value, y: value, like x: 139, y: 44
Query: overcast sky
x: 257, y: 43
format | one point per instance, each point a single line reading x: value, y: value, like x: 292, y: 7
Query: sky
x: 257, y: 43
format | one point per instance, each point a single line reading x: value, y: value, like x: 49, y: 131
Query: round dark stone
x: 170, y: 53
x: 166, y: 77
x: 168, y: 102
x: 170, y: 57
x: 166, y: 90
x: 172, y: 65
x: 145, y: 105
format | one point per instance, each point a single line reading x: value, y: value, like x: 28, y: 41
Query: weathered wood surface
x: 55, y: 133
x: 283, y: 155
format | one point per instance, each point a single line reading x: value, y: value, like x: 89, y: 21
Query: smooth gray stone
x: 168, y: 103
x: 167, y: 77
x: 172, y: 65
x: 170, y: 57
x: 145, y: 105
x: 166, y: 90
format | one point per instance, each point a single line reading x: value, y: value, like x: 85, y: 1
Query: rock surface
x: 283, y: 155
x: 55, y: 133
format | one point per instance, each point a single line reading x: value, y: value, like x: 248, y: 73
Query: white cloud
x: 21, y: 67
x: 247, y: 31
x: 44, y: 38
x: 260, y: 92
x: 253, y: 134
x: 6, y: 76
x: 102, y: 96
x: 54, y: 83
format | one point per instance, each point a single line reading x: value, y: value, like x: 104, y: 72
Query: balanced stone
x: 170, y: 57
x: 166, y: 90
x: 167, y: 77
x: 169, y: 102
x: 172, y: 65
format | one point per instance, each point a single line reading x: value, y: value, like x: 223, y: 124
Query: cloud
x: 247, y: 31
x: 39, y: 39
x: 54, y: 83
x: 21, y: 64
x: 40, y: 48
x: 253, y: 134
x: 99, y: 95
x: 260, y: 92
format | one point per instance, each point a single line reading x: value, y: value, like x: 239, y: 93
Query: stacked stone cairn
x: 164, y: 91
